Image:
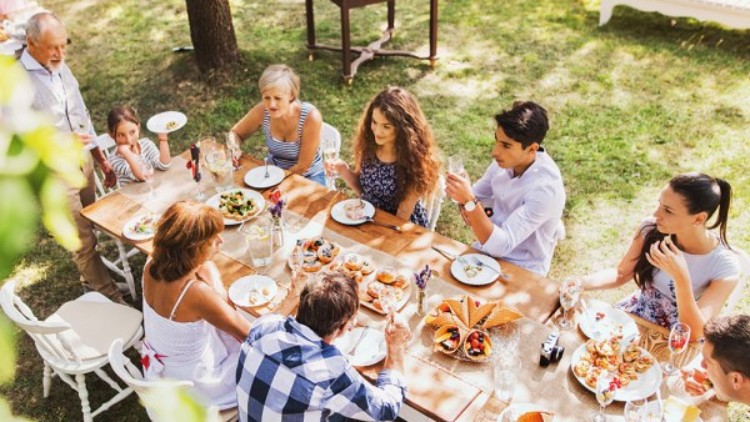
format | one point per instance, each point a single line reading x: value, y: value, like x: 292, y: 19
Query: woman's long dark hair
x: 700, y: 193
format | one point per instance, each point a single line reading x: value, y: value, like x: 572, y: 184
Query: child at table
x: 394, y: 155
x: 125, y: 128
x: 684, y: 270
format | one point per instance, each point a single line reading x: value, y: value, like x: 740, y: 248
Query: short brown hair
x: 118, y: 114
x: 183, y: 239
x: 730, y: 337
x: 328, y: 302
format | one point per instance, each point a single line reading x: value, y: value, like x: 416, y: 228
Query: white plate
x: 669, y: 412
x: 260, y: 204
x: 514, y: 411
x: 339, y: 214
x: 129, y: 229
x: 369, y: 351
x: 643, y: 387
x: 255, y: 177
x: 239, y: 291
x: 606, y: 325
x: 483, y: 277
x: 158, y: 122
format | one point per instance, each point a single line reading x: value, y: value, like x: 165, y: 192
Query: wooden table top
x: 434, y: 391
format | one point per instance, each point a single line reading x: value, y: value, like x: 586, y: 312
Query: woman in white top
x: 192, y: 332
x: 684, y: 270
x: 125, y: 128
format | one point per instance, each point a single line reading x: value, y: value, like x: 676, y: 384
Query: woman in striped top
x: 291, y: 127
x: 125, y: 128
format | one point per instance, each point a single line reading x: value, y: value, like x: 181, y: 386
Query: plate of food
x: 166, y: 122
x: 142, y: 227
x: 635, y: 369
x: 352, y: 212
x: 676, y: 410
x: 362, y: 346
x: 600, y: 319
x: 475, y: 269
x: 526, y: 412
x: 252, y: 290
x: 237, y: 205
x: 316, y: 253
x: 256, y: 177
x: 462, y: 327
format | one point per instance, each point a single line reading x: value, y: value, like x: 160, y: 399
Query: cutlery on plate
x: 266, y: 175
x: 593, y: 324
x: 359, y: 340
x: 390, y: 226
x: 445, y: 253
x: 478, y: 262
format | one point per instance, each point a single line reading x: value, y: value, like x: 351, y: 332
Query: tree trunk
x: 212, y: 33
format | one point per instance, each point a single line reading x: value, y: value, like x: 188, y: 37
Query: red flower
x: 275, y: 196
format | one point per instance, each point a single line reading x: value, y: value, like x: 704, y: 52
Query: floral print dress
x: 378, y: 182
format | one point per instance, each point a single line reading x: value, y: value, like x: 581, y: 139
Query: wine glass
x: 570, y: 293
x: 634, y: 410
x: 388, y: 301
x: 679, y: 337
x: 605, y: 394
x: 147, y: 169
x: 330, y: 154
x: 456, y: 164
x: 233, y: 145
x: 652, y: 411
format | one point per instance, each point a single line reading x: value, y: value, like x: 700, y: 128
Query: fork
x: 266, y: 175
x: 478, y: 262
x: 359, y: 340
x: 390, y: 226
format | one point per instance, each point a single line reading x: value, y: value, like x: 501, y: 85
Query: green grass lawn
x: 631, y: 104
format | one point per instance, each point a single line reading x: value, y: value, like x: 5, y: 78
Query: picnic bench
x: 731, y: 13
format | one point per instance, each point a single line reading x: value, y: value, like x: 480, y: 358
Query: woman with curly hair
x: 394, y: 154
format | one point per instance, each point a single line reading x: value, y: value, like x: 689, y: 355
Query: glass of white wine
x: 330, y: 155
x: 570, y: 293
x: 605, y: 394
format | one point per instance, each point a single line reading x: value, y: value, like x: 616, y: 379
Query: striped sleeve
x: 150, y: 152
x: 122, y: 169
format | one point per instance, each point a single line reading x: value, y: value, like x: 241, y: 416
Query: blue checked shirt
x: 287, y: 372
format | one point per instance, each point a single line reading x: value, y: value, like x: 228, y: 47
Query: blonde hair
x: 280, y: 76
x: 183, y: 239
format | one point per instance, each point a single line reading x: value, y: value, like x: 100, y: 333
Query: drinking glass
x: 219, y: 164
x: 679, y: 337
x: 504, y: 373
x: 258, y: 239
x: 605, y: 394
x: 507, y: 337
x: 330, y: 154
x: 388, y: 301
x: 456, y: 164
x: 652, y: 411
x: 570, y: 293
x: 233, y: 145
x: 635, y: 410
x: 148, y: 176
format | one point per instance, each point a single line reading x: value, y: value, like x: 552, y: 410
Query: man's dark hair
x: 730, y: 337
x: 526, y: 123
x: 328, y: 302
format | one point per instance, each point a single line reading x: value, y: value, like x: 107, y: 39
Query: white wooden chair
x: 737, y: 292
x: 132, y: 376
x: 434, y: 203
x: 328, y: 132
x: 121, y: 264
x: 74, y: 340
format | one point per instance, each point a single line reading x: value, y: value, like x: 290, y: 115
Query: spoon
x: 390, y: 226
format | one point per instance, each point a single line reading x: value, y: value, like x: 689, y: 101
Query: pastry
x: 479, y: 312
x: 386, y: 275
x: 367, y: 267
x: 325, y: 253
x: 501, y: 315
x: 459, y: 309
x: 311, y: 267
x: 353, y: 261
x: 374, y: 288
x: 535, y: 417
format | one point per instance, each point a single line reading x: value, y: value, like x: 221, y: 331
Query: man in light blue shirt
x: 57, y: 94
x: 523, y: 190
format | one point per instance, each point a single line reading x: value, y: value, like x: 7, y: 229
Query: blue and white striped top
x: 149, y: 152
x: 286, y: 154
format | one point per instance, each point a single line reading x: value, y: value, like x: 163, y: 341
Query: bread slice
x: 501, y: 315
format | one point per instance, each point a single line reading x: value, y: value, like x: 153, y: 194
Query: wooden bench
x: 731, y: 13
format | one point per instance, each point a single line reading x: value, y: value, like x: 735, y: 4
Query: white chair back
x: 130, y: 374
x: 46, y: 335
x: 434, y: 202
x: 330, y: 132
x: 737, y: 292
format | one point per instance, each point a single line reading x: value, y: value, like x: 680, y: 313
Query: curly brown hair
x: 183, y: 239
x: 417, y: 165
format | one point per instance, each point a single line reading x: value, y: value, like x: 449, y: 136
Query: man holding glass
x: 523, y: 190
x: 289, y: 368
x: 57, y: 94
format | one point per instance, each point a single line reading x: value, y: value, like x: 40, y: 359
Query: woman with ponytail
x: 684, y: 269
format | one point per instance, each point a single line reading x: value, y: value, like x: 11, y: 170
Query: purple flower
x: 277, y: 208
x: 422, y: 277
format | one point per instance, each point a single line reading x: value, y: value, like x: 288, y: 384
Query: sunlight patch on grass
x: 30, y: 274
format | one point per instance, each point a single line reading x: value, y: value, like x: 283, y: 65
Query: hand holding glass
x: 570, y: 293
x: 330, y: 155
x: 233, y: 145
x: 605, y: 394
x: 679, y: 338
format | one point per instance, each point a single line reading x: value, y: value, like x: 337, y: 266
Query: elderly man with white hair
x: 57, y: 93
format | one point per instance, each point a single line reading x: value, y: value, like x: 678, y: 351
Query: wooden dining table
x: 439, y: 387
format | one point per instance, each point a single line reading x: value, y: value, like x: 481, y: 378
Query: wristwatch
x: 470, y: 205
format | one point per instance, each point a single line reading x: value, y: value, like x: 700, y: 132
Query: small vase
x: 421, y: 302
x: 277, y: 233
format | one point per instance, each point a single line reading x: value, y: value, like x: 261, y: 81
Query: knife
x: 359, y: 340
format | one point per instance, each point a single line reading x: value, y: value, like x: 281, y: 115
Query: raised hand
x: 666, y: 256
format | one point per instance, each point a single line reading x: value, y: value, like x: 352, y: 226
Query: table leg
x: 346, y: 53
x: 310, y: 29
x: 433, y: 32
x: 391, y: 14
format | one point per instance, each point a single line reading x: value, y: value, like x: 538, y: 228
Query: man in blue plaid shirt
x: 289, y: 369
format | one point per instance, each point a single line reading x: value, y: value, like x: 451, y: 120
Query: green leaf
x: 18, y: 219
x: 171, y: 403
x: 56, y: 214
x: 7, y: 352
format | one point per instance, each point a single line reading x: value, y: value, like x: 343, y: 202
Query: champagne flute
x: 147, y: 169
x: 605, y: 394
x: 330, y: 154
x: 635, y: 410
x: 233, y: 144
x: 679, y: 337
x: 456, y: 166
x: 570, y: 293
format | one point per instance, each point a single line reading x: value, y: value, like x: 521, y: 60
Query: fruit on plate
x: 535, y: 416
x: 447, y: 338
x: 478, y: 346
x: 499, y: 316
